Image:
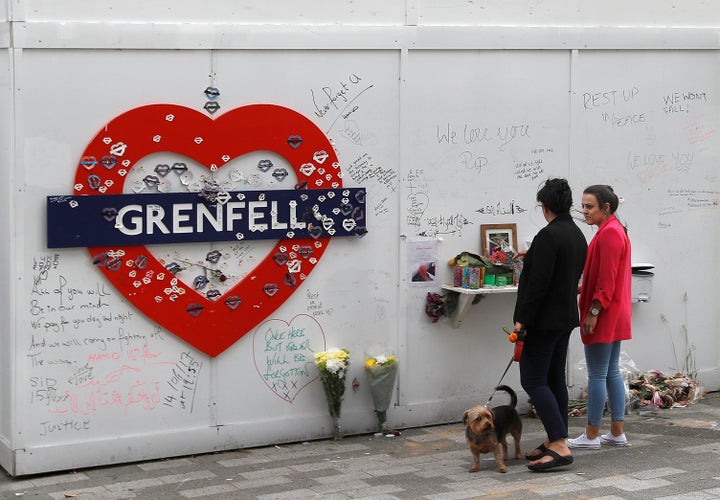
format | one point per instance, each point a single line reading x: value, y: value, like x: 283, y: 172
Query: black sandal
x: 557, y: 461
x: 543, y: 450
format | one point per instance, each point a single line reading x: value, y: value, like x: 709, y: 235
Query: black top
x: 547, y: 291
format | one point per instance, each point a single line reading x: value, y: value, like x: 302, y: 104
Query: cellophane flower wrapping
x: 333, y: 365
x: 381, y: 370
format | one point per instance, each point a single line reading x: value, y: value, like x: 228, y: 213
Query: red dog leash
x: 517, y: 338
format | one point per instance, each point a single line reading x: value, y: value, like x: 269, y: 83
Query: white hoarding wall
x: 445, y: 129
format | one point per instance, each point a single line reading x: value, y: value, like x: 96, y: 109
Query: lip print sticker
x: 233, y: 302
x: 212, y: 107
x: 305, y: 251
x: 162, y: 170
x: 179, y: 168
x: 212, y: 93
x: 280, y: 258
x: 294, y: 141
x: 109, y: 213
x: 200, y: 282
x: 290, y: 279
x: 320, y: 157
x: 195, y: 309
x: 88, y: 162
x: 212, y: 142
x: 265, y: 165
x: 349, y: 224
x: 307, y: 169
x: 284, y: 354
x: 315, y: 231
x: 141, y: 262
x: 94, y: 182
x: 108, y: 161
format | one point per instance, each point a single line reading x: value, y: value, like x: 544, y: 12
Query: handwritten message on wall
x: 674, y: 170
x: 87, y: 359
x: 346, y: 108
x: 284, y: 354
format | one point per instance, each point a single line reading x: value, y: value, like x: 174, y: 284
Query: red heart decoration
x: 209, y: 325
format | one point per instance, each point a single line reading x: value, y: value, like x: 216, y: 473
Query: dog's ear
x: 465, y: 417
x: 492, y: 412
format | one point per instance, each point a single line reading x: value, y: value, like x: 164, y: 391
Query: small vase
x: 337, y: 429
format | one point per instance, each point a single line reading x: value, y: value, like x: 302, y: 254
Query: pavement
x: 673, y: 454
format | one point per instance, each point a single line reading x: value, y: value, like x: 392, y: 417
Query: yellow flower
x: 336, y: 360
x: 380, y: 360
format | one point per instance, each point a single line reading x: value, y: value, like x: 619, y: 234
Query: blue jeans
x: 604, y: 382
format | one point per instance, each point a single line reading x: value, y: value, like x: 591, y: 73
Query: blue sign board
x: 145, y: 219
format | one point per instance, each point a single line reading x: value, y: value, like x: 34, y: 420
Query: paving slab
x: 673, y: 454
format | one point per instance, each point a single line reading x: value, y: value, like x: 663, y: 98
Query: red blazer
x: 607, y: 277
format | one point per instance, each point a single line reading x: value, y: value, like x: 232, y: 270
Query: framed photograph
x: 493, y: 236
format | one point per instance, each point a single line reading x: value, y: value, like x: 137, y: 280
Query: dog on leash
x: 487, y: 430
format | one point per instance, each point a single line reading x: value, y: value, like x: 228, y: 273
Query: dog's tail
x: 513, y: 396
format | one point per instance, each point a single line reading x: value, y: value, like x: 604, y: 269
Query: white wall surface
x: 412, y: 70
x: 652, y: 133
x: 7, y: 227
x: 575, y: 13
x: 256, y: 12
x: 663, y: 13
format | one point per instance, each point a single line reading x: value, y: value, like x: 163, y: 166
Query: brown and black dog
x: 487, y: 430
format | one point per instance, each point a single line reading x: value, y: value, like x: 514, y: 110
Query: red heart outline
x: 294, y: 390
x: 212, y: 142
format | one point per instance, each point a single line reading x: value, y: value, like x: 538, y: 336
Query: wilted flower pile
x: 656, y: 388
x: 652, y: 388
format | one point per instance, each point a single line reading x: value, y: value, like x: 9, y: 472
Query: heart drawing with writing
x: 284, y: 354
x: 417, y: 204
x: 209, y: 324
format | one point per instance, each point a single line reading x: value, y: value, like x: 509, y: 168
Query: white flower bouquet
x: 333, y: 365
x: 381, y: 370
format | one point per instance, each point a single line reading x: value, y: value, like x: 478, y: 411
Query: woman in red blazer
x: 605, y: 316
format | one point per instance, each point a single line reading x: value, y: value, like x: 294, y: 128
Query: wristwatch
x: 594, y: 311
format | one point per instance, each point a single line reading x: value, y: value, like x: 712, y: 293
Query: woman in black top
x: 547, y: 310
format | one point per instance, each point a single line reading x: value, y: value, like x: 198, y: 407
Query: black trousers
x: 542, y: 375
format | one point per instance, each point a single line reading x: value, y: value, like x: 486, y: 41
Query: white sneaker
x: 611, y: 440
x: 583, y: 441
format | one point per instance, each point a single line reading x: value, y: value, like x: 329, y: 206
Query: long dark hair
x: 605, y: 194
x: 556, y: 195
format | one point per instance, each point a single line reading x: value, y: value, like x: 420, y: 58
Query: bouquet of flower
x: 444, y: 304
x: 381, y: 370
x: 333, y: 365
x: 434, y: 306
x: 505, y: 260
x: 504, y: 256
